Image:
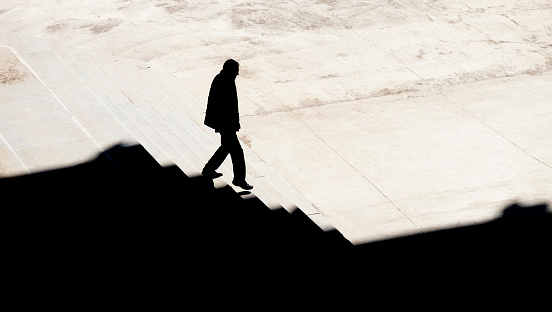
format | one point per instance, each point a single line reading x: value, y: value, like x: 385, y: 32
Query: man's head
x: 231, y: 67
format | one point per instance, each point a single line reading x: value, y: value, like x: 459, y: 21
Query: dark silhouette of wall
x: 124, y: 222
x: 122, y: 212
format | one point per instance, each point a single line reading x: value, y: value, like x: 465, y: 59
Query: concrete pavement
x: 41, y: 131
x: 390, y: 117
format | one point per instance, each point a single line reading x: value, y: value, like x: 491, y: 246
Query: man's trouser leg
x: 217, y: 159
x: 230, y: 141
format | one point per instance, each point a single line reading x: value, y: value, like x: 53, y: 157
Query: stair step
x: 255, y: 166
x: 207, y: 135
x: 184, y: 94
x: 193, y: 135
x: 290, y: 192
x: 158, y: 102
x: 136, y: 124
x: 179, y: 95
x: 84, y: 105
x: 159, y: 77
x: 153, y: 82
x: 267, y: 194
x: 176, y: 147
x: 127, y: 100
x: 147, y: 119
x: 270, y: 188
x: 198, y: 155
x: 92, y: 84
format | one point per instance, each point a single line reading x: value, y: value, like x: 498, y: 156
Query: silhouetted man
x: 223, y: 116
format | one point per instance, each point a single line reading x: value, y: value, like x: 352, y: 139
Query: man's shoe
x: 244, y: 185
x: 211, y: 174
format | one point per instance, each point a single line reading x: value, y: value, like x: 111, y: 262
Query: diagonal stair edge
x: 105, y: 83
x: 251, y: 158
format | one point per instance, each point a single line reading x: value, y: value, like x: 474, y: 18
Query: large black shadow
x: 123, y: 211
x: 125, y: 219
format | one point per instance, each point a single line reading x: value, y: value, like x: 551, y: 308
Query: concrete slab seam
x: 495, y: 131
x: 10, y: 148
x: 384, y: 51
x: 363, y: 176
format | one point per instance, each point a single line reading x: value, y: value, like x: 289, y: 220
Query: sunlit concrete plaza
x: 388, y: 118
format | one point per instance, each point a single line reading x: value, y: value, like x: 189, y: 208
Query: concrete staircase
x: 118, y: 100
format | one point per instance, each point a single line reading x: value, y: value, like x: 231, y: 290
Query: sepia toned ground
x: 390, y: 117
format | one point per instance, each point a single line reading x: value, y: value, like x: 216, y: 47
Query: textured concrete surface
x: 42, y: 133
x: 391, y: 117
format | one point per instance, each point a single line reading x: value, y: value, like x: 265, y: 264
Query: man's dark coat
x: 222, y: 106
